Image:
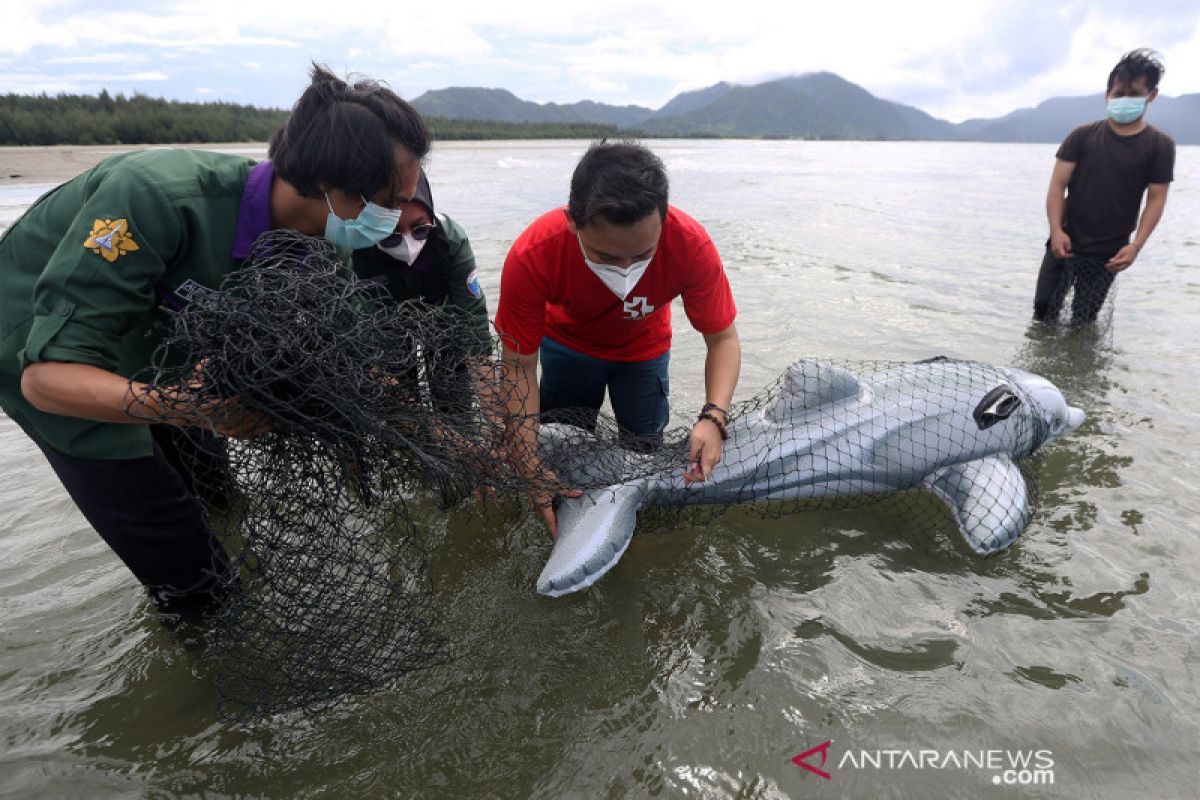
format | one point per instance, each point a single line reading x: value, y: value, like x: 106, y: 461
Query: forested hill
x: 818, y: 105
x: 85, y: 119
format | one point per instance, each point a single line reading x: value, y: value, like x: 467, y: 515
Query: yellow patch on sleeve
x: 110, y: 239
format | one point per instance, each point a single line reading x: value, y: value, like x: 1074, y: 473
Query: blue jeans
x: 639, y: 390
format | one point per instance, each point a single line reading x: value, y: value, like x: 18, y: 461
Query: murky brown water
x: 711, y: 656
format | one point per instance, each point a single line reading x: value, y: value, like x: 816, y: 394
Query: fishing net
x: 364, y: 403
x: 942, y: 440
x: 364, y: 408
x: 826, y: 435
x: 1075, y: 292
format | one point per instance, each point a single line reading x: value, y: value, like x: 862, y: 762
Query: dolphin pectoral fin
x: 593, y: 532
x: 988, y: 498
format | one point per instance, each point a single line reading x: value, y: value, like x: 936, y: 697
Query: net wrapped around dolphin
x: 375, y: 408
x: 828, y: 434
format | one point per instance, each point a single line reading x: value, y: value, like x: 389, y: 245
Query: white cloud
x: 76, y: 82
x: 951, y: 58
x: 602, y: 85
x: 218, y: 92
x: 99, y: 58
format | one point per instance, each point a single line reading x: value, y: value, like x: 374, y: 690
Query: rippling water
x: 711, y: 656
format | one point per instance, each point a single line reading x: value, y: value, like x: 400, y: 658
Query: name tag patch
x: 189, y: 290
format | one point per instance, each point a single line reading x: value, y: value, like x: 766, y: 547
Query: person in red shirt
x: 590, y: 286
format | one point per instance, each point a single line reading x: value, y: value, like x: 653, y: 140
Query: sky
x: 955, y: 59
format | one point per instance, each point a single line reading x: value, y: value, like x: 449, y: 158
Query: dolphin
x: 825, y: 429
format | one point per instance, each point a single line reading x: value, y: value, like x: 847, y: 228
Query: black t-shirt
x: 1111, y: 173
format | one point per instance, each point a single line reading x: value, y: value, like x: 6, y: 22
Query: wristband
x: 714, y: 407
x: 714, y: 421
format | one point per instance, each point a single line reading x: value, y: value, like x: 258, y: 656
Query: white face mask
x: 406, y: 250
x: 619, y: 281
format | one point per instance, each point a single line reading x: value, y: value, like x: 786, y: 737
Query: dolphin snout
x: 1075, y: 418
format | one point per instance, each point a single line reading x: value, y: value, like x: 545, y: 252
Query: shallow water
x: 712, y: 655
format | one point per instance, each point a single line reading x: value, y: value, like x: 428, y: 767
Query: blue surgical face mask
x: 373, y: 224
x: 1123, y: 110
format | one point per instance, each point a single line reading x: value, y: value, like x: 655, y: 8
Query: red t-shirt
x: 546, y: 288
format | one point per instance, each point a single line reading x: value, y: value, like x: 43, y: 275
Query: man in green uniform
x: 88, y: 274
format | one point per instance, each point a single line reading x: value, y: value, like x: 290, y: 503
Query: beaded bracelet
x: 720, y: 425
x: 714, y: 407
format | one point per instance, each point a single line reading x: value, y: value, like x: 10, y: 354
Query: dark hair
x: 621, y: 182
x: 1140, y: 63
x: 344, y: 136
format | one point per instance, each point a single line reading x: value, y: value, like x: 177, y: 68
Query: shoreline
x: 58, y: 163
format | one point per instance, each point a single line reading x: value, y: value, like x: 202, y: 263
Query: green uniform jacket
x: 449, y: 280
x: 81, y: 271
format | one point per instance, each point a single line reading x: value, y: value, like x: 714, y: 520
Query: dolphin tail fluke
x: 593, y: 532
x: 988, y: 498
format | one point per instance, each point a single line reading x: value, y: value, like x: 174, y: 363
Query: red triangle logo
x: 823, y: 749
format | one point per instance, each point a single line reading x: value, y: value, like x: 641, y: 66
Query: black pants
x: 1087, y: 274
x: 145, y: 510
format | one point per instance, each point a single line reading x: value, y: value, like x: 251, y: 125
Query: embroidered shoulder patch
x: 473, y: 285
x: 110, y: 239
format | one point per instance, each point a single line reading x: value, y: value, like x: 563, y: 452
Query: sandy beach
x: 57, y: 164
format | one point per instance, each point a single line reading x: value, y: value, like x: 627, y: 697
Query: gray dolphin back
x: 826, y: 432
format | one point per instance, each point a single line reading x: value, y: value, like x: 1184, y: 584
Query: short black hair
x: 619, y: 182
x: 1141, y: 63
x: 344, y: 135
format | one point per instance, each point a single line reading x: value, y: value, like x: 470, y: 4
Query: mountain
x: 502, y: 105
x: 1053, y: 119
x: 819, y: 105
x: 690, y: 101
x: 1178, y: 116
x: 1050, y: 121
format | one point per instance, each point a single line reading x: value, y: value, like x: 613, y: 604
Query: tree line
x: 106, y: 119
x: 446, y: 128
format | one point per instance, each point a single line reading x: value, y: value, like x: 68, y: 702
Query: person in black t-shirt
x: 1101, y: 172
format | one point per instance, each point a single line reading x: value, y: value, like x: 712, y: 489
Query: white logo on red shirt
x: 638, y: 308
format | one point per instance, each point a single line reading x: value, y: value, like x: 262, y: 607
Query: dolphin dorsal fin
x: 809, y: 384
x: 988, y: 498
